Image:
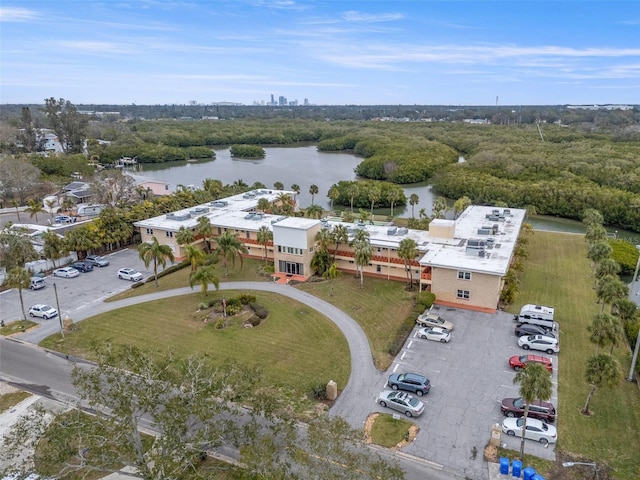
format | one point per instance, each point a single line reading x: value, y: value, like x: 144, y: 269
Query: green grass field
x: 557, y: 273
x: 298, y: 347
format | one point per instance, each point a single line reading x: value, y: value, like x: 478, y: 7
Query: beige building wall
x: 484, y: 290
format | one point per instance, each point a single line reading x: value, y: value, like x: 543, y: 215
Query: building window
x: 463, y: 294
x: 219, y: 230
x: 149, y: 231
x: 279, y: 249
x: 464, y: 275
x: 248, y: 234
x: 378, y: 268
x: 169, y: 234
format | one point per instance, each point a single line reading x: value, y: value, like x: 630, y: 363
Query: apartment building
x: 463, y: 261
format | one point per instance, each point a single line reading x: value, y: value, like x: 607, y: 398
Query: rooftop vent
x: 485, y: 231
x: 219, y: 203
x: 249, y: 216
x: 178, y: 217
x: 475, y: 243
x: 403, y: 231
x: 249, y: 195
x: 506, y: 212
x: 258, y: 215
x: 392, y: 230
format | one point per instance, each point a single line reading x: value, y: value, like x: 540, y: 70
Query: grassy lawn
x: 17, y: 327
x: 9, y: 400
x: 179, y: 279
x: 298, y: 347
x: 557, y: 274
x: 382, y: 309
x: 388, y: 431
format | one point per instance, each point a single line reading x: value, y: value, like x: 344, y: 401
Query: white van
x: 36, y: 283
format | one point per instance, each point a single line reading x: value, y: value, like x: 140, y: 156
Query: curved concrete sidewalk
x: 364, y: 375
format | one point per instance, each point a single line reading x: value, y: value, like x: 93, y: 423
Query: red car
x: 518, y: 362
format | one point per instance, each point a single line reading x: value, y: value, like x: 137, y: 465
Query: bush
x: 173, y: 268
x: 425, y: 300
x: 203, y: 306
x: 139, y: 284
x: 246, y: 299
x: 626, y: 254
x: 212, y: 303
x: 631, y: 329
x: 254, y: 320
x: 233, y: 309
x: 259, y: 310
x: 319, y: 391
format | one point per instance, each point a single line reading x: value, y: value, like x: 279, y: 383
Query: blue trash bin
x: 529, y: 472
x: 537, y: 477
x: 516, y: 468
x: 504, y: 466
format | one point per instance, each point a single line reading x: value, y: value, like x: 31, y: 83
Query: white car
x: 536, y: 429
x: 66, y: 272
x: 43, y: 311
x: 437, y: 334
x: 129, y: 274
x: 539, y: 342
x: 430, y: 319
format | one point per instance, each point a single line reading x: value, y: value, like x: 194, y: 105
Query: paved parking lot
x: 74, y: 294
x: 470, y: 376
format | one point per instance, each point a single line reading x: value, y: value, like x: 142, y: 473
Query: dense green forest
x: 555, y: 168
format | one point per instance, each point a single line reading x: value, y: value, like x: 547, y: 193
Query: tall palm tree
x: 414, y: 199
x: 595, y: 233
x: 195, y: 256
x: 204, y: 228
x: 15, y: 204
x: 353, y: 190
x: 393, y: 196
x: 602, y: 370
x: 278, y: 185
x: 323, y: 239
x: 408, y: 251
x: 373, y: 195
x: 264, y: 236
x: 296, y: 188
x: 34, y: 207
x: 461, y: 205
x: 339, y: 235
x: 599, y: 251
x: 53, y: 246
x: 313, y: 190
x: 609, y: 289
x: 313, y: 211
x: 592, y: 217
x: 230, y: 246
x: 439, y: 208
x: 264, y: 205
x: 333, y: 195
x: 204, y: 276
x: 154, y: 252
x: 601, y: 330
x: 362, y: 252
x: 185, y: 236
x: 607, y: 266
x: 50, y: 205
x: 535, y: 384
x: 19, y: 278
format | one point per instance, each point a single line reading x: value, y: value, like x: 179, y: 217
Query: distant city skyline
x: 151, y: 52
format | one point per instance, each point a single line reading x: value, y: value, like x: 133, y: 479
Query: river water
x: 305, y: 165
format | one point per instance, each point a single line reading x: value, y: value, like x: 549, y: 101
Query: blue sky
x: 330, y: 52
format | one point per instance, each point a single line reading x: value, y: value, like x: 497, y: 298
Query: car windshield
x: 518, y: 403
x: 46, y: 308
x: 401, y: 377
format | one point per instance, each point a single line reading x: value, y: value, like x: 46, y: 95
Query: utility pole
x: 55, y: 289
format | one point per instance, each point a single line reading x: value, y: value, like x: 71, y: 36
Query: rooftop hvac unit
x: 392, y: 230
x: 485, y: 231
x: 258, y: 216
x: 178, y: 217
x: 249, y: 195
x: 495, y: 228
x: 481, y: 253
x: 403, y: 231
x: 219, y: 203
x: 249, y: 216
x: 506, y: 212
x: 475, y: 243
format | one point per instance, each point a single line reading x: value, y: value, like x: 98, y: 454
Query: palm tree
x: 461, y: 205
x: 314, y: 211
x: 592, y: 217
x: 323, y: 239
x: 393, y: 196
x: 313, y: 190
x: 264, y: 236
x: 278, y: 186
x: 195, y: 256
x: 205, y: 229
x: 50, y: 205
x: 535, y: 384
x: 333, y: 195
x: 156, y: 253
x: 595, y: 233
x: 53, y: 246
x: 296, y: 188
x: 439, y: 208
x: 185, y: 236
x: 230, y: 246
x: 602, y: 330
x: 414, y: 199
x: 373, y: 195
x: 339, y: 235
x: 284, y: 203
x: 353, y: 190
x: 602, y: 370
x: 34, y: 207
x: 408, y: 251
x: 67, y: 205
x: 362, y: 252
x: 331, y: 274
x: 364, y: 215
x: 80, y: 240
x: 264, y: 205
x: 599, y: 251
x: 19, y: 278
x: 15, y: 204
x: 204, y: 276
x: 607, y: 266
x: 609, y: 289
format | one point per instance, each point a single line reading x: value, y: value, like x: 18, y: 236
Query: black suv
x: 529, y: 329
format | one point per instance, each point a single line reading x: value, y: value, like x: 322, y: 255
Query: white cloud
x: 359, y: 17
x: 13, y: 14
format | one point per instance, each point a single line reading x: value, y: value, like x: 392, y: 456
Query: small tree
x: 264, y: 236
x: 230, y: 246
x: 204, y: 276
x: 34, y: 207
x: 19, y: 278
x: 408, y: 251
x: 331, y: 274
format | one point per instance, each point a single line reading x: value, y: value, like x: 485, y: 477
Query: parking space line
x: 396, y: 367
x: 410, y: 343
x: 402, y: 356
